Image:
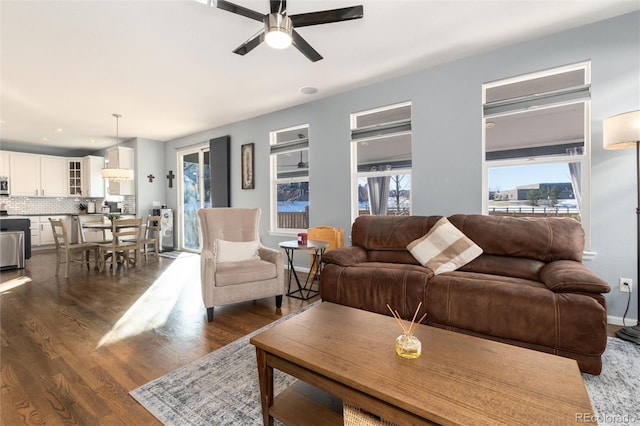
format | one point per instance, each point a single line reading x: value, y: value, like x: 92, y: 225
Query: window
x: 537, y: 145
x: 381, y: 161
x: 290, y: 179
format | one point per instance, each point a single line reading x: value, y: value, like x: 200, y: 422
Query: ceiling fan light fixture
x: 278, y: 30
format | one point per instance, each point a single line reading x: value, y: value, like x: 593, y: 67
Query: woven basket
x: 355, y: 416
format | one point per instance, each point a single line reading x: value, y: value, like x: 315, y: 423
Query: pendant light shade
x: 117, y: 174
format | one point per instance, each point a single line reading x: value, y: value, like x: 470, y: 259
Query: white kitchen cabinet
x: 34, y: 227
x: 4, y: 163
x: 125, y: 160
x: 92, y: 182
x: 41, y: 232
x: 74, y: 177
x: 25, y: 174
x: 33, y: 175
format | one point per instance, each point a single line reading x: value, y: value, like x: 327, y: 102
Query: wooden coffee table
x: 459, y: 379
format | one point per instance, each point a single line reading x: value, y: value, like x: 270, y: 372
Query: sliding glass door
x: 194, y: 186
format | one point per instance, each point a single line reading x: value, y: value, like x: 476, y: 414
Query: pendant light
x: 114, y: 173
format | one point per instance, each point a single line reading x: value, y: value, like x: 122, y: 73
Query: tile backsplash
x: 59, y: 205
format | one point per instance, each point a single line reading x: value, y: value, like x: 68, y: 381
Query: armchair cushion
x: 444, y: 248
x: 236, y: 251
x: 231, y: 273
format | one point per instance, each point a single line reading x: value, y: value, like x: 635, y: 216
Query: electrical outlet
x: 626, y: 285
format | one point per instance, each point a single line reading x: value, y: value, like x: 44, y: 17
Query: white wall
x: 447, y: 133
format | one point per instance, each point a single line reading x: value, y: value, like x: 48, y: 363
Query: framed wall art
x: 247, y: 166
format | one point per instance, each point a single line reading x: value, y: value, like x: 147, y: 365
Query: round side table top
x: 311, y: 245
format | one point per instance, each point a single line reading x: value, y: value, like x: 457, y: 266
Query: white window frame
x: 355, y: 175
x: 275, y: 181
x: 178, y: 225
x: 584, y: 159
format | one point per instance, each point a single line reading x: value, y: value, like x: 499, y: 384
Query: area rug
x: 614, y: 393
x: 221, y: 388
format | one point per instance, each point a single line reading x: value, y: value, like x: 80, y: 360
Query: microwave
x: 4, y: 185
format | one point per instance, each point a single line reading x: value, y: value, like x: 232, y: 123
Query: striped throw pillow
x: 444, y: 248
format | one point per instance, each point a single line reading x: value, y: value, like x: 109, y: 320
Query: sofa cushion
x: 517, y: 310
x: 541, y: 238
x: 444, y: 248
x: 372, y: 288
x: 389, y: 233
x: 400, y: 266
x: 236, y: 251
x: 517, y: 267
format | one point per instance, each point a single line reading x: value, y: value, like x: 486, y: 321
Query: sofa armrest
x: 345, y: 256
x: 571, y: 276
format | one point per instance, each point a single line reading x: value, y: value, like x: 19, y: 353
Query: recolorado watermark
x: 622, y: 419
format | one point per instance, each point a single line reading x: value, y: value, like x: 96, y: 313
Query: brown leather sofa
x: 529, y: 287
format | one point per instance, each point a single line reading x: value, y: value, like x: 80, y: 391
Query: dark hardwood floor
x: 72, y: 349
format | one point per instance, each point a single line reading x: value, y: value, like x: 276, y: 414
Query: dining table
x: 108, y: 226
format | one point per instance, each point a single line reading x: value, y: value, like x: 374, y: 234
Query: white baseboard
x: 618, y: 320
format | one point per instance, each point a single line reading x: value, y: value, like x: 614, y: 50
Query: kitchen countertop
x: 30, y: 215
x: 37, y: 214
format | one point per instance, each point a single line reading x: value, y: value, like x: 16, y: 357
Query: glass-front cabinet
x: 74, y: 176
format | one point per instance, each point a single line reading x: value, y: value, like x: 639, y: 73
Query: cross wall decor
x: 171, y: 176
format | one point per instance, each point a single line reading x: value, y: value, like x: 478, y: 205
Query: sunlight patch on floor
x: 152, y: 309
x: 13, y: 283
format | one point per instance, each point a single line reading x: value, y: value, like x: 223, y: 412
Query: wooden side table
x: 318, y: 248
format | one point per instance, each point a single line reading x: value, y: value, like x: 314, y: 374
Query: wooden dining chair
x: 151, y: 237
x: 126, y: 240
x: 66, y: 252
x: 97, y: 236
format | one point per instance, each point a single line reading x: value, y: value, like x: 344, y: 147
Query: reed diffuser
x: 407, y: 345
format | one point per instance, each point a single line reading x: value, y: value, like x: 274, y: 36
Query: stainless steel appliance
x: 114, y: 206
x: 18, y: 224
x: 166, y: 228
x: 11, y: 249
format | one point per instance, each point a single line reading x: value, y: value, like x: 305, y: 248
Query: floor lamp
x: 623, y: 131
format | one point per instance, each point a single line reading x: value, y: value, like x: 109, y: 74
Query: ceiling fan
x: 279, y: 27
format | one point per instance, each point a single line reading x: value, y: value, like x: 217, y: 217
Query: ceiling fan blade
x: 278, y: 6
x: 234, y: 8
x: 305, y: 47
x: 250, y: 44
x: 327, y: 16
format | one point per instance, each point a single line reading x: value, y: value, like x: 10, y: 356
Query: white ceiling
x: 168, y: 66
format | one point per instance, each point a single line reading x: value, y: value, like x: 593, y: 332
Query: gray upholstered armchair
x: 235, y: 266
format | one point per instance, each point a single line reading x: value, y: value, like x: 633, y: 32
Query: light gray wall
x: 447, y: 133
x: 150, y: 160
